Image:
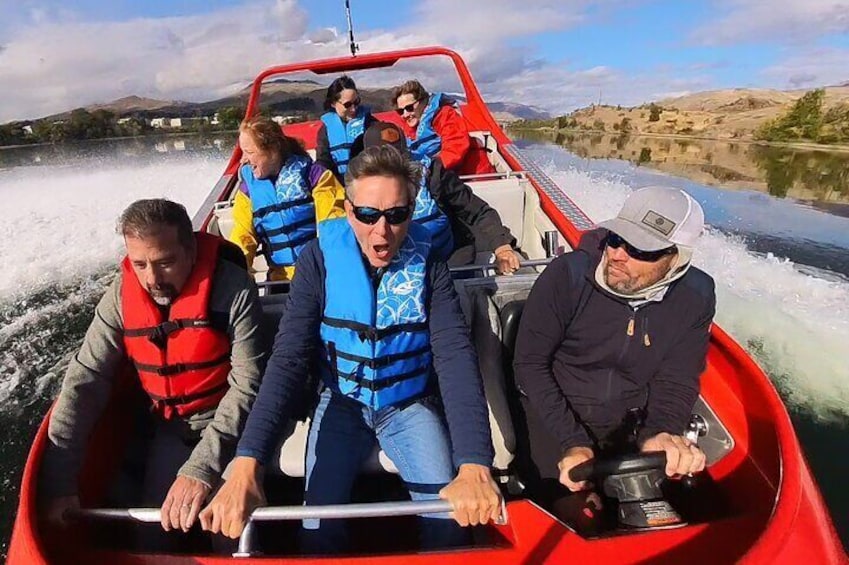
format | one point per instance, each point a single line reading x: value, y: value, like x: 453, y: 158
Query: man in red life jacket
x: 184, y: 314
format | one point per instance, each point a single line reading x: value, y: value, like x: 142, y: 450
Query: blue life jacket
x: 427, y: 142
x: 283, y: 211
x: 376, y: 343
x: 429, y: 215
x: 341, y: 135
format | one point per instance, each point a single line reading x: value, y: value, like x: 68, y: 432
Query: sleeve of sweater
x: 545, y: 318
x: 675, y: 387
x: 291, y: 356
x: 85, y: 393
x: 327, y: 193
x: 454, y: 134
x: 456, y: 366
x: 458, y: 201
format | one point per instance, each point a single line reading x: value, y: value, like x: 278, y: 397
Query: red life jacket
x: 182, y: 362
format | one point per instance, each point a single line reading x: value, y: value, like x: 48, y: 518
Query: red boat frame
x: 790, y: 523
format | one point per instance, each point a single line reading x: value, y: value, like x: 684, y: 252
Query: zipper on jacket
x: 629, y: 333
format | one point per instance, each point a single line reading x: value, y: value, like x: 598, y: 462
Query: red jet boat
x: 756, y: 503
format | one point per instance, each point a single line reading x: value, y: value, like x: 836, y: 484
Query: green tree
x: 654, y: 112
x: 803, y: 121
x: 229, y: 117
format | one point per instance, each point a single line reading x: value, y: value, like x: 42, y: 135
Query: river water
x: 781, y: 265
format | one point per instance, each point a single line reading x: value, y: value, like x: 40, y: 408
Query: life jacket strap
x: 171, y: 370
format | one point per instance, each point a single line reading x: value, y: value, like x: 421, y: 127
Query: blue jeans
x: 343, y: 434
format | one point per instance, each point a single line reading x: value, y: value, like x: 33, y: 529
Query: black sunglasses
x: 615, y: 241
x: 350, y: 103
x: 370, y: 216
x: 408, y: 108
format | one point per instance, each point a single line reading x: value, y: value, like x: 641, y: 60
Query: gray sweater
x: 88, y: 384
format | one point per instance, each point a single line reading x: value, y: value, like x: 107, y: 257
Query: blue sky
x: 555, y: 54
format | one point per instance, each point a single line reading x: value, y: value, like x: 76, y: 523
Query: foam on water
x: 793, y: 319
x: 59, y: 250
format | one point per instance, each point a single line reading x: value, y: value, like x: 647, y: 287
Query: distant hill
x: 281, y: 96
x: 511, y: 112
x: 719, y: 114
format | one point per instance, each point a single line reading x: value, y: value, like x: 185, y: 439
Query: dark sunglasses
x: 350, y: 103
x: 394, y: 216
x: 409, y: 108
x: 615, y: 241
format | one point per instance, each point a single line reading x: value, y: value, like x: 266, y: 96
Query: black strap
x: 280, y: 206
x: 171, y: 370
x: 290, y: 228
x: 186, y: 398
x: 375, y: 386
x: 383, y: 361
x: 158, y: 335
x: 428, y: 218
x: 367, y: 332
x: 272, y: 247
x: 415, y: 145
x: 339, y: 146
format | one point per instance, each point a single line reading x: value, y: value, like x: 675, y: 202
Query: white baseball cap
x: 657, y: 217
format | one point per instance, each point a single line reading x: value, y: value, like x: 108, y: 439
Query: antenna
x: 354, y: 46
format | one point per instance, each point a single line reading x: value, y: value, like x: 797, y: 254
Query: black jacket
x: 475, y: 224
x: 583, y: 364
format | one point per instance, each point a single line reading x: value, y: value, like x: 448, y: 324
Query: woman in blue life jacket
x: 343, y: 122
x: 281, y: 198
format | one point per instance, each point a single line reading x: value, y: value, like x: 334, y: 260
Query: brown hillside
x: 719, y: 114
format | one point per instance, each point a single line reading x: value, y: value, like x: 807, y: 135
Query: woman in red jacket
x: 435, y: 128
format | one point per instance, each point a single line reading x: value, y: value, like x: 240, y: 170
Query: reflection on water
x: 820, y: 177
x: 137, y: 150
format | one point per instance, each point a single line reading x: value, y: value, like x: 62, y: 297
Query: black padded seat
x: 511, y: 315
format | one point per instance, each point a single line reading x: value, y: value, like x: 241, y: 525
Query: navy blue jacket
x: 584, y: 356
x: 297, y: 344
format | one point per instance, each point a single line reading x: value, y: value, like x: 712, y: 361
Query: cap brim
x: 635, y: 235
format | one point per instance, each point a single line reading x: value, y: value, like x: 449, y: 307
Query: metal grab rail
x: 492, y: 266
x: 272, y: 513
x: 460, y: 269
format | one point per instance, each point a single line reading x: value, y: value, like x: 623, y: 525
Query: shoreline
x: 790, y: 145
x: 120, y: 138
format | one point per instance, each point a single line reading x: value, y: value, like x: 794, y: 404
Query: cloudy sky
x: 556, y: 54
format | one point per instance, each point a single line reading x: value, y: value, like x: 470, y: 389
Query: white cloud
x: 62, y: 62
x: 810, y: 67
x: 776, y: 21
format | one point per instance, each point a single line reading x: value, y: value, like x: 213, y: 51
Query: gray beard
x: 162, y: 300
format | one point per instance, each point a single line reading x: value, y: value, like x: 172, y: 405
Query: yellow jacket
x: 328, y: 196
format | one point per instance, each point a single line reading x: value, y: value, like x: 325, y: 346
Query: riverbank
x: 157, y: 135
x: 842, y: 148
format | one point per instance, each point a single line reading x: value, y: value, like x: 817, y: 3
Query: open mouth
x: 381, y: 251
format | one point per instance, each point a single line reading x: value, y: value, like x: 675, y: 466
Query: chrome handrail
x: 272, y: 513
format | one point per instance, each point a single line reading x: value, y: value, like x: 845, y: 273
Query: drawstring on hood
x: 655, y: 292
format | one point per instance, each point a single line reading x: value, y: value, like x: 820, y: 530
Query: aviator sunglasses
x: 615, y: 241
x: 370, y: 216
x: 350, y: 103
x: 409, y: 108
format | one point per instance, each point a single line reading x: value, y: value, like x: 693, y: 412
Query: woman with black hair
x: 343, y: 122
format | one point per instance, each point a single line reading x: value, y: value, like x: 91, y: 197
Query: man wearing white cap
x: 616, y: 329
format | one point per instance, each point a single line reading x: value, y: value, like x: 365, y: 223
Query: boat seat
x: 511, y: 315
x: 507, y: 196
